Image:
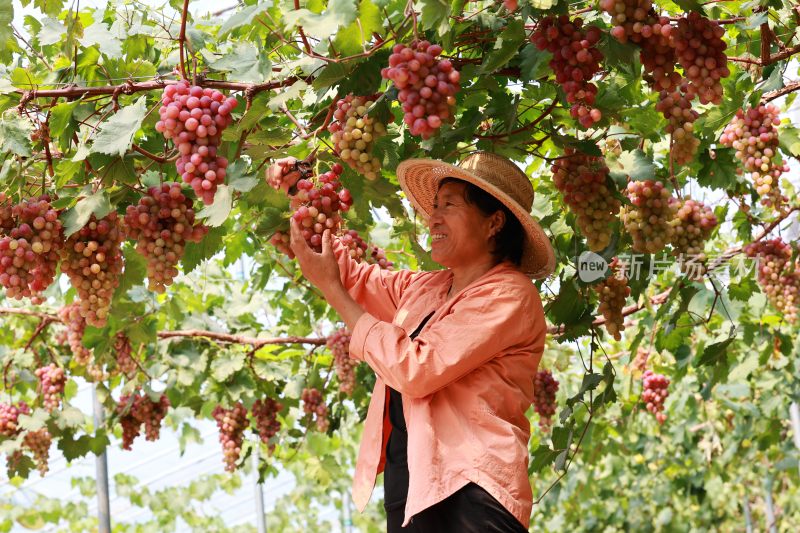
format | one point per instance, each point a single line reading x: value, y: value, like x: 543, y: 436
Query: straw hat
x: 495, y: 174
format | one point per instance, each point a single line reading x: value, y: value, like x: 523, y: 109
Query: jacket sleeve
x: 377, y: 290
x: 488, y: 322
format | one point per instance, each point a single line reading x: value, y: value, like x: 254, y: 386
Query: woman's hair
x: 509, y: 241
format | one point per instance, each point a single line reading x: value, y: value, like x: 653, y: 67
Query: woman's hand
x: 321, y: 269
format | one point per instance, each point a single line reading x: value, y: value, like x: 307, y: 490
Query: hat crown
x: 501, y: 173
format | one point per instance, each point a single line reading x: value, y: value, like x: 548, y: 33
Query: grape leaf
x: 195, y: 253
x: 15, y: 136
x: 116, y: 134
x: 506, y: 46
x: 99, y: 34
x: 436, y: 15
x: 51, y: 31
x: 217, y: 213
x: 6, y: 18
x: 76, y: 217
x: 240, y: 18
x: 534, y: 62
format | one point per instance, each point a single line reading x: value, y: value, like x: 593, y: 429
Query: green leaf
x: 51, y: 31
x: 240, y: 18
x: 217, y: 213
x: 15, y: 135
x: 743, y: 289
x: 534, y: 62
x: 436, y: 15
x: 116, y: 134
x: 718, y: 172
x: 542, y: 457
x: 715, y: 353
x: 99, y: 34
x: 506, y: 46
x: 789, y: 139
x: 636, y: 165
x: 339, y: 13
x: 6, y: 18
x: 76, y: 217
x: 226, y: 364
x: 49, y: 7
x: 134, y: 271
x: 244, y: 62
x: 34, y: 421
x: 196, y: 252
x: 329, y: 75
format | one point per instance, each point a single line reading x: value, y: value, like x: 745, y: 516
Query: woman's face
x: 460, y: 232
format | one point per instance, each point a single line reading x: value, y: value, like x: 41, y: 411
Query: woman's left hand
x: 321, y: 269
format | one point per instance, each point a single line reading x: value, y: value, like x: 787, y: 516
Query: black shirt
x: 395, y: 480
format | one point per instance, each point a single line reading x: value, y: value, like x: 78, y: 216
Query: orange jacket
x: 466, y: 379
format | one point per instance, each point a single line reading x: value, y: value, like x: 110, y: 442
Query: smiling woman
x: 455, y: 351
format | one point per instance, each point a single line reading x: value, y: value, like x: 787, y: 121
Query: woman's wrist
x: 344, y: 304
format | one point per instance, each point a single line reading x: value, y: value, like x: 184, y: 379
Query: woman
x: 446, y: 422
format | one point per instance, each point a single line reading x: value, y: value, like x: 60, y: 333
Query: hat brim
x: 419, y: 180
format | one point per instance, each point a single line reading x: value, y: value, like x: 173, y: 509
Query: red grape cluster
x: 545, y: 387
x: 640, y: 361
x: 754, y: 136
x: 582, y: 179
x: 231, y: 423
x: 194, y: 119
x: 650, y: 220
x: 6, y: 215
x: 282, y: 241
x: 29, y: 253
x: 339, y: 345
x: 676, y: 106
x: 377, y: 256
x: 38, y: 442
x: 655, y: 393
x: 778, y: 277
x: 314, y: 405
x: 354, y: 134
x: 318, y: 205
x: 9, y: 418
x: 351, y: 240
x: 124, y: 354
x: 92, y: 258
x: 695, y: 224
x: 427, y: 86
x: 137, y: 409
x: 265, y: 414
x: 612, y: 293
x: 70, y: 315
x: 283, y: 174
x: 163, y: 223
x: 51, y: 385
x: 576, y: 59
x: 701, y: 52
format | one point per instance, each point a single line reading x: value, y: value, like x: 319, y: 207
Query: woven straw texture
x: 498, y: 176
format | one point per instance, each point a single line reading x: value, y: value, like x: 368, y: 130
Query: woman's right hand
x: 321, y: 269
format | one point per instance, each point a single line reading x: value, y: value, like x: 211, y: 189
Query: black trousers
x: 470, y: 509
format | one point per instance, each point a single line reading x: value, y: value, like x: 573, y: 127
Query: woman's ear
x: 498, y: 220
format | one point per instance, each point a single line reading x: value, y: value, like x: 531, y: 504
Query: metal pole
x: 770, y: 509
x: 261, y: 521
x: 348, y: 519
x: 101, y: 471
x: 748, y: 519
x: 794, y: 415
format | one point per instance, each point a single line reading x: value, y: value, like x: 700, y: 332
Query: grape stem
x: 182, y: 39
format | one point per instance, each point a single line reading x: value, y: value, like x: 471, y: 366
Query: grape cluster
x: 655, y: 393
x: 640, y: 361
x: 162, y: 223
x: 650, y: 220
x: 339, y: 345
x: 377, y: 256
x: 351, y: 240
x: 701, y: 52
x: 70, y: 315
x: 612, y: 293
x: 9, y: 418
x: 754, y: 136
x: 38, y: 442
x: 265, y: 414
x: 695, y: 224
x: 319, y: 204
x: 511, y: 5
x: 576, y: 59
x: 124, y: 355
x: 282, y: 242
x: 51, y: 385
x: 92, y: 258
x: 427, y: 86
x: 6, y: 214
x: 676, y: 106
x: 29, y: 253
x: 354, y: 134
x: 194, y: 119
x: 138, y: 409
x: 231, y: 423
x: 777, y: 276
x: 582, y: 179
x: 545, y: 387
x: 314, y: 404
